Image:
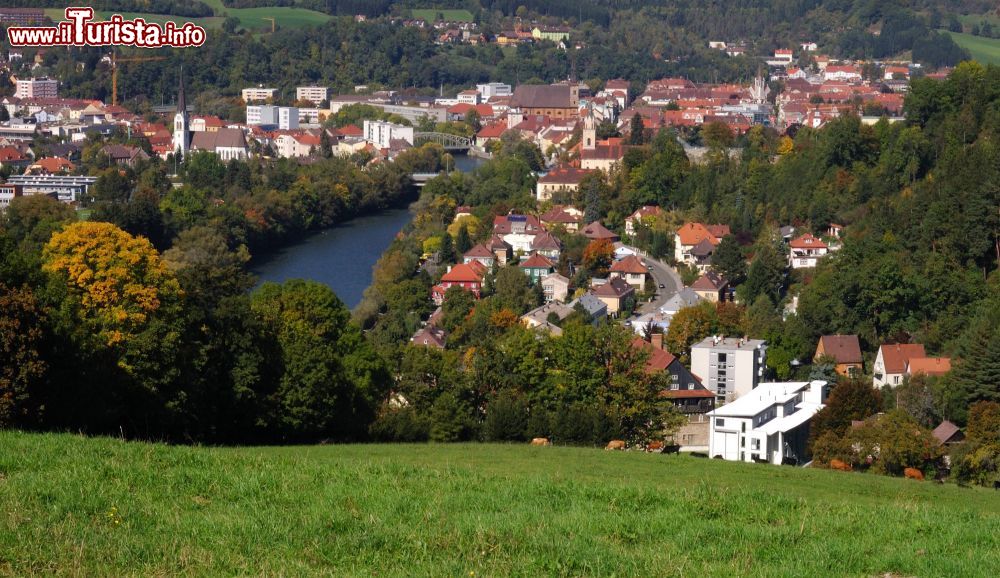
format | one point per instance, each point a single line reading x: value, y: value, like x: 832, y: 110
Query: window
x: 743, y: 442
x: 721, y: 358
x: 755, y: 444
x: 673, y: 387
x: 719, y: 422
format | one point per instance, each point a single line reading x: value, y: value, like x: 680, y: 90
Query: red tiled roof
x: 843, y: 348
x: 596, y: 230
x: 630, y: 264
x: 492, y: 130
x: 461, y: 273
x: 478, y: 251
x: 614, y: 288
x: 930, y: 365
x: 710, y: 281
x: 807, y: 241
x: 646, y: 211
x: 537, y: 261
x: 693, y: 233
x: 564, y: 175
x: 895, y: 357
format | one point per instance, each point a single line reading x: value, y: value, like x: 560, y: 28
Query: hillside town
x: 642, y: 269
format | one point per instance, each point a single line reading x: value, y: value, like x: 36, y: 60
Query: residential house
x: 617, y: 294
x: 564, y: 179
x: 644, y: 214
x: 124, y: 155
x: 539, y: 317
x: 501, y: 249
x: 933, y: 366
x: 481, y: 254
x: 490, y: 133
x: 685, y: 392
x: 50, y: 166
x: 686, y: 297
x: 769, y: 424
x: 729, y: 366
x: 430, y: 336
x: 631, y: 270
x: 536, y: 267
x: 467, y: 276
x: 548, y: 245
x: 555, y: 287
x: 690, y: 235
x: 553, y: 33
x: 845, y: 350
x: 834, y: 230
x: 595, y: 308
x: 518, y: 231
x: 891, y: 362
x: 596, y: 231
x: 652, y: 321
x: 566, y: 216
x: 806, y: 251
x: 711, y: 287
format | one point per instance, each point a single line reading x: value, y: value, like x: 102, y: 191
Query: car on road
x: 662, y: 286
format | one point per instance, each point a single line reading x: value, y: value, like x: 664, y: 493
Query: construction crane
x: 114, y: 71
x: 272, y: 23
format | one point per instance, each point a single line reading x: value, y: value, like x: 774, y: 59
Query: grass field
x: 76, y: 506
x: 985, y: 50
x: 250, y: 18
x: 431, y: 14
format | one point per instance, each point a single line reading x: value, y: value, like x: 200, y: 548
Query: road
x: 662, y: 274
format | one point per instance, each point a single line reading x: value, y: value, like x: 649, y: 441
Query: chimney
x: 657, y: 340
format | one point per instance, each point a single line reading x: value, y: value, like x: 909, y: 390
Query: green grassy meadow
x: 71, y: 505
x: 985, y: 50
x: 430, y: 14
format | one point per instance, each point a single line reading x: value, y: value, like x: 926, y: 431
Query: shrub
x: 401, y: 425
x: 506, y: 419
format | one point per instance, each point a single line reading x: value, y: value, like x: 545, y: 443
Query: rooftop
x: 729, y: 343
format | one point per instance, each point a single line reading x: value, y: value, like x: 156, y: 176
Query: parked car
x: 662, y: 286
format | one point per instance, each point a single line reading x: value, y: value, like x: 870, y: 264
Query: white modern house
x: 770, y: 424
x: 730, y: 366
x: 381, y: 133
x: 806, y: 251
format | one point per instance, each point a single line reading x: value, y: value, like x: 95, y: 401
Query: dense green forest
x: 639, y: 41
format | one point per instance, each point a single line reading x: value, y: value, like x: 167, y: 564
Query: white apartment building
x: 806, y: 251
x: 283, y: 117
x: 260, y: 93
x: 314, y: 94
x: 770, y: 424
x: 489, y: 90
x: 468, y: 97
x: 381, y: 133
x: 730, y: 366
x: 37, y: 88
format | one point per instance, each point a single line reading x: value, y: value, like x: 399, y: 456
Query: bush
x: 451, y: 419
x: 583, y: 424
x: 506, y: 419
x: 401, y: 425
x: 539, y: 423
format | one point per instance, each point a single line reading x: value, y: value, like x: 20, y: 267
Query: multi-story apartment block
x: 730, y: 366
x: 37, y: 88
x: 257, y: 94
x: 314, y: 94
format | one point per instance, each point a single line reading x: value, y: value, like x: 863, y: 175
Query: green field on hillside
x: 73, y: 505
x: 431, y: 15
x: 250, y: 18
x: 985, y: 50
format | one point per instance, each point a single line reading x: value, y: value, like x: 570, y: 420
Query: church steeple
x: 181, y: 135
x: 181, y: 101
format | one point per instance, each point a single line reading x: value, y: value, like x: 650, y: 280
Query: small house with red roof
x: 647, y: 213
x: 891, y: 362
x: 468, y: 276
x: 596, y: 231
x: 50, y: 166
x: 806, y: 251
x: 566, y: 216
x: 845, y: 351
x: 563, y: 178
x: 711, y: 287
x: 690, y: 235
x: 490, y: 133
x: 617, y: 294
x: 631, y: 270
x: 537, y: 266
x: 481, y: 254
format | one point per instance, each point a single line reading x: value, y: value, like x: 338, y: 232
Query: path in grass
x: 71, y: 505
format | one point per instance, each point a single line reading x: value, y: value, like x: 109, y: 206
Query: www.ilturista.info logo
x: 79, y: 30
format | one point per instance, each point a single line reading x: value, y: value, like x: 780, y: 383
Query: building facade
x: 731, y: 367
x: 37, y: 88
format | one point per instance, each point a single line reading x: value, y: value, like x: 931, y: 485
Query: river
x: 342, y: 256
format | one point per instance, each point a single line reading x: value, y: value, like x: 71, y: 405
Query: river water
x: 342, y: 257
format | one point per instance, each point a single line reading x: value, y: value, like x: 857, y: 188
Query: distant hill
x: 79, y: 506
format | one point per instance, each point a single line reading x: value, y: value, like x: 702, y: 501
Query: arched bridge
x: 450, y: 142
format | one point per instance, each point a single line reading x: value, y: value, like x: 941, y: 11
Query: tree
x: 114, y: 282
x: 592, y: 198
x: 462, y: 242
x: 506, y: 418
x: 766, y: 275
x: 447, y: 251
x: 850, y: 400
x: 456, y: 307
x: 717, y: 135
x: 325, y: 147
x: 207, y: 269
x: 24, y: 368
x: 512, y: 290
x: 976, y: 374
x: 687, y: 327
x: 598, y: 256
x: 637, y: 130
x: 330, y: 377
x: 451, y: 419
x: 728, y: 260
x: 31, y: 220
x: 915, y: 396
x: 977, y: 460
